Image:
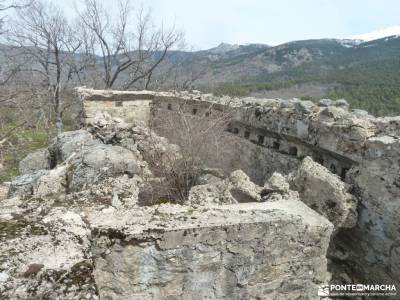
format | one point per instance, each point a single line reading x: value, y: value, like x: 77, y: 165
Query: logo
x: 323, y: 290
x: 367, y: 290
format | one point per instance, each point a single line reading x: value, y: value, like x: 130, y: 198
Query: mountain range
x: 364, y: 69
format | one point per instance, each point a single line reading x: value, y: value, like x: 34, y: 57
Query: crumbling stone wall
x: 235, y: 150
x: 362, y: 150
x: 133, y: 107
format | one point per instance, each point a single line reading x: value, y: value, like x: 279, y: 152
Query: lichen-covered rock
x: 85, y: 161
x: 270, y: 250
x: 147, y: 146
x: 271, y: 135
x: 326, y: 193
x: 115, y: 250
x: 342, y: 103
x: 376, y: 235
x: 325, y: 102
x: 277, y: 188
x: 237, y: 188
x: 35, y: 161
x: 45, y: 256
x: 124, y: 190
x: 243, y: 189
x: 85, y: 229
x: 304, y: 106
x: 276, y: 183
x: 100, y: 161
x: 52, y: 183
x: 23, y: 185
x: 332, y: 112
x: 71, y: 142
x: 388, y: 125
x: 215, y: 193
x: 157, y: 150
x: 120, y: 192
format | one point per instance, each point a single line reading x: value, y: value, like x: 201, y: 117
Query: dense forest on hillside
x: 373, y: 86
x: 365, y: 74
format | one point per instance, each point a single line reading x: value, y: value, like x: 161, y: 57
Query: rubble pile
x: 75, y: 225
x: 301, y: 194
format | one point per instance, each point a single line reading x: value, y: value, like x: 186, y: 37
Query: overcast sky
x: 207, y: 23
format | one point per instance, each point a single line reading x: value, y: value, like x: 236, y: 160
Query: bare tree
x: 43, y: 35
x: 6, y: 5
x: 10, y: 66
x: 198, y: 131
x: 134, y: 49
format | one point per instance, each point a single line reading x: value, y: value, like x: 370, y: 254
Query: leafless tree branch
x: 130, y: 50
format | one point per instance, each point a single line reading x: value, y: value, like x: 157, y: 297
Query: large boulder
x: 35, y: 161
x: 83, y: 161
x: 326, y: 193
x: 142, y: 141
x: 70, y: 142
x: 100, y: 161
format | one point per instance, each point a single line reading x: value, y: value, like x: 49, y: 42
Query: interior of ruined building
x: 293, y: 194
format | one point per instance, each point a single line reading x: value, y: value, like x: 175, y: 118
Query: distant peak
x: 224, y: 47
x: 378, y: 34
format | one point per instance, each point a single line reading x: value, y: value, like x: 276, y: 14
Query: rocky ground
x: 81, y: 223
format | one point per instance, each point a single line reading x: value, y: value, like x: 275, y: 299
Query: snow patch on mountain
x: 378, y: 34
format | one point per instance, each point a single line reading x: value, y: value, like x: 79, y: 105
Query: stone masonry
x: 77, y: 224
x: 273, y: 135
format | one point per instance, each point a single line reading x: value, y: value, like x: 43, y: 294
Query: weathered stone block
x: 326, y: 193
x: 247, y: 251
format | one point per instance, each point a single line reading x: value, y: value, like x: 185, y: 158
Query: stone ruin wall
x: 234, y: 150
x: 274, y: 135
x: 131, y: 108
